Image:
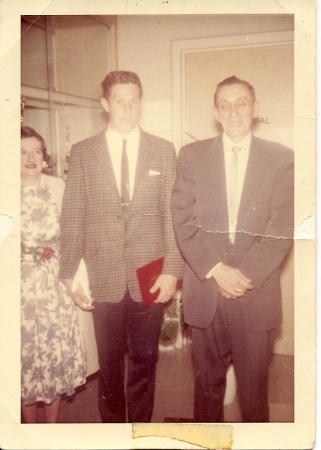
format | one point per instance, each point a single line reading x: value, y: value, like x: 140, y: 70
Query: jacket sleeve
x: 173, y: 263
x: 193, y: 241
x: 269, y: 250
x: 72, y: 218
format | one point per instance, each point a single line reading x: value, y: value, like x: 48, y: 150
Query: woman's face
x: 31, y: 157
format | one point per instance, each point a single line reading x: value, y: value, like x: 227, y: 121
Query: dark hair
x: 120, y: 77
x: 27, y: 132
x: 234, y: 80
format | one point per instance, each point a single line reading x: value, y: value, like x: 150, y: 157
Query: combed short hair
x: 27, y: 132
x: 120, y: 77
x: 234, y: 80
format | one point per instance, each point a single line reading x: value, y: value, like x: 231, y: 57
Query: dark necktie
x: 125, y: 197
x: 233, y: 194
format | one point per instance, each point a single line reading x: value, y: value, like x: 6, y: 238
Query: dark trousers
x: 227, y: 340
x: 117, y: 326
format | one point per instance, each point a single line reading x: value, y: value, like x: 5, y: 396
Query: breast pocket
x: 148, y: 194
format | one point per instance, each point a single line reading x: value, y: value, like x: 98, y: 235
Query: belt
x: 38, y: 254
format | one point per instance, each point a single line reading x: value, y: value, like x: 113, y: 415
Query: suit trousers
x: 120, y: 326
x: 227, y: 340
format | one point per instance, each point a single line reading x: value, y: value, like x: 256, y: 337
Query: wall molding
x: 44, y: 99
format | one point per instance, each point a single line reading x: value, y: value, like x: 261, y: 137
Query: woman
x: 53, y: 359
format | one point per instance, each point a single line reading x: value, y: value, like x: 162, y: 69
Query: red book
x: 147, y: 275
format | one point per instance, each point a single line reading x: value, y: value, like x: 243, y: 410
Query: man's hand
x: 231, y: 281
x: 78, y: 296
x: 226, y: 295
x: 167, y: 285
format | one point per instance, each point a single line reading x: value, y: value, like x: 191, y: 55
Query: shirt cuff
x: 210, y: 273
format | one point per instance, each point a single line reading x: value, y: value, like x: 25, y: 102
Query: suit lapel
x: 214, y: 175
x: 256, y: 172
x: 144, y: 153
x: 103, y: 156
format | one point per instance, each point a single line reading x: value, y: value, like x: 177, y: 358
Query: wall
x: 145, y: 46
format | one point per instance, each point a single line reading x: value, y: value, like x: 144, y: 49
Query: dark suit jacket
x: 264, y: 228
x: 92, y: 223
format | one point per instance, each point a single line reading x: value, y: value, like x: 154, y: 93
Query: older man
x: 233, y: 214
x: 116, y: 215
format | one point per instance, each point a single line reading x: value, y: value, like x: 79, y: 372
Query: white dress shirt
x: 242, y: 156
x: 115, y: 147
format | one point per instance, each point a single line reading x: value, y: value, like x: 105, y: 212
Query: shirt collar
x: 116, y: 137
x: 244, y: 144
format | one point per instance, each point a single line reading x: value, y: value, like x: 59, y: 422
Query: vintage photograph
x: 157, y: 231
x: 228, y: 254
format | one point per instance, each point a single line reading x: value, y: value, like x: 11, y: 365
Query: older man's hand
x: 231, y: 281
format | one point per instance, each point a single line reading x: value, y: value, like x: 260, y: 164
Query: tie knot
x: 236, y: 149
x: 124, y: 143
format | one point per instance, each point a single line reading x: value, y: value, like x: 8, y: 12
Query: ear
x: 104, y: 104
x: 216, y: 114
x: 256, y: 111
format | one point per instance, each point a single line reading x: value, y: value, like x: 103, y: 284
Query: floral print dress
x: 51, y: 350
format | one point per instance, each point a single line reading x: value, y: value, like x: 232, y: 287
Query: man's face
x: 123, y: 106
x: 235, y: 110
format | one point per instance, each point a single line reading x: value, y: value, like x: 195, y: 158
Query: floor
x: 174, y: 392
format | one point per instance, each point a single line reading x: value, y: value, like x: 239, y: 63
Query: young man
x: 233, y: 217
x: 116, y: 215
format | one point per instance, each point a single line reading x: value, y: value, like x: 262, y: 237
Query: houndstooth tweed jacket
x: 92, y: 224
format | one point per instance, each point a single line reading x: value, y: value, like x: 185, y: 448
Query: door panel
x: 268, y: 69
